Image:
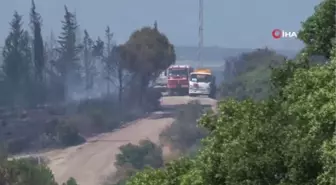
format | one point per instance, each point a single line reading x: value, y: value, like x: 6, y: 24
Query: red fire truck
x: 178, y: 79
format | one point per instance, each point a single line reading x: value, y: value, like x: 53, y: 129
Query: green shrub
x: 146, y: 153
x: 68, y: 135
x: 70, y: 181
x: 25, y: 172
x: 184, y: 132
x: 134, y: 158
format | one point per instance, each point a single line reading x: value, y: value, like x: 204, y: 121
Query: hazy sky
x: 227, y: 23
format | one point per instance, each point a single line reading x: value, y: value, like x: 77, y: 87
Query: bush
x: 70, y: 181
x: 184, y: 132
x: 172, y: 174
x: 68, y: 135
x: 152, y: 99
x: 146, y: 153
x: 121, y: 175
x: 16, y: 145
x: 134, y: 158
x: 25, y: 172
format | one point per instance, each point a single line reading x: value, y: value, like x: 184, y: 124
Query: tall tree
x: 147, y: 53
x: 108, y: 62
x: 89, y: 66
x: 38, y: 53
x: 319, y: 30
x: 51, y: 56
x: 68, y: 64
x: 51, y: 47
x: 120, y: 74
x: 98, y: 48
x: 17, y: 60
x: 117, y: 73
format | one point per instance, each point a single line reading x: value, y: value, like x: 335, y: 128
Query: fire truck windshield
x: 178, y: 72
x: 200, y: 78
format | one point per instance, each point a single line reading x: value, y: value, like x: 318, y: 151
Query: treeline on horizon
x: 68, y: 67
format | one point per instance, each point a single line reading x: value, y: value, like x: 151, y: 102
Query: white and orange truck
x: 202, y: 82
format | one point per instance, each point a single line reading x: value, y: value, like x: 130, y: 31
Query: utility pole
x: 200, y: 33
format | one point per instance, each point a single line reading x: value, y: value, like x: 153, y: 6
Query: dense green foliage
x: 26, y: 172
x: 287, y: 139
x: 133, y: 158
x: 146, y: 153
x: 318, y: 31
x: 147, y: 53
x: 274, y: 142
x: 17, y: 56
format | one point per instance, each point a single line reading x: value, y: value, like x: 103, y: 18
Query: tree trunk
x: 143, y: 87
x: 120, y: 79
x: 64, y: 88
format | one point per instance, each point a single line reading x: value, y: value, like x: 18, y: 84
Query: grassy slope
x: 253, y: 76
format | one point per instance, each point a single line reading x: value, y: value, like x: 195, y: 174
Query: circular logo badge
x: 277, y: 33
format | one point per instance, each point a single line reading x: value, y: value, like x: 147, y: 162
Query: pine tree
x: 89, y: 67
x: 120, y: 74
x: 98, y: 48
x: 17, y: 61
x: 108, y: 63
x: 68, y: 64
x: 38, y: 55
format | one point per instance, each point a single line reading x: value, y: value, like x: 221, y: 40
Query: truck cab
x: 178, y: 82
x: 202, y: 82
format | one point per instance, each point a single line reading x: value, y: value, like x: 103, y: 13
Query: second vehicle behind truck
x: 202, y: 82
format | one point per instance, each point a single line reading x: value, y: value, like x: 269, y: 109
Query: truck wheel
x: 180, y: 92
x: 185, y: 92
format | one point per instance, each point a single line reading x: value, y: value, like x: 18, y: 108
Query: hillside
x: 218, y: 53
x: 249, y: 75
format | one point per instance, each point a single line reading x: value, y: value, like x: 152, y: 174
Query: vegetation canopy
x: 272, y: 126
x: 148, y: 51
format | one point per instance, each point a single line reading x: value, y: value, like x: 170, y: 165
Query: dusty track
x: 90, y: 162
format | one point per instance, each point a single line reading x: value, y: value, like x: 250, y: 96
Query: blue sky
x: 227, y: 23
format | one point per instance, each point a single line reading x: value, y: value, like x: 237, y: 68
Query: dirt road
x: 89, y: 163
